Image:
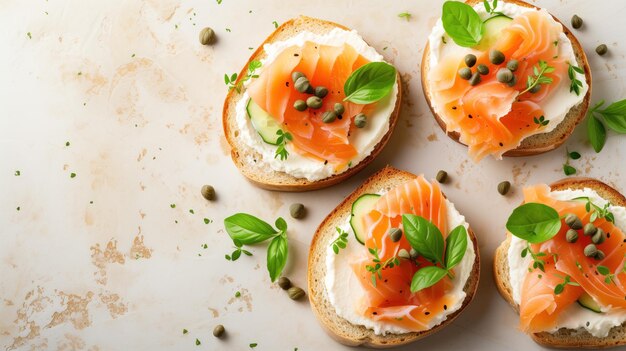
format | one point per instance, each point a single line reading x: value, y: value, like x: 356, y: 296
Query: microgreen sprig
x: 539, y: 78
x: 567, y: 168
x: 575, y: 84
x: 234, y: 256
x: 538, y: 261
x: 233, y: 83
x: 608, y: 276
x: 541, y: 121
x: 597, y: 211
x: 567, y: 280
x: 491, y: 8
x: 377, y: 268
x: 281, y: 151
x: 341, y: 241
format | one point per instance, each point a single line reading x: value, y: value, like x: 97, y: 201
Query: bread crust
x: 263, y: 176
x: 563, y: 338
x: 538, y: 143
x: 339, y: 328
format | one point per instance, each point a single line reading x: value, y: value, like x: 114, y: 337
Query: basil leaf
x: 423, y: 236
x: 456, y: 243
x: 246, y: 229
x: 462, y: 23
x: 427, y: 277
x: 281, y: 224
x: 596, y: 133
x: 277, y: 256
x: 615, y: 116
x: 370, y: 83
x: 534, y: 222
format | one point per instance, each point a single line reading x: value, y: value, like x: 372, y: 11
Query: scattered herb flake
x: 67, y: 143
x: 237, y: 294
x: 275, y: 24
x: 228, y: 30
x: 207, y: 221
x: 173, y: 205
x: 29, y: 35
x: 191, y: 211
x: 405, y: 15
x: 198, y: 342
x: 72, y: 175
x: 253, y: 345
x: 18, y: 173
x: 185, y: 331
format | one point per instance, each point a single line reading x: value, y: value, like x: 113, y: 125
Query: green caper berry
x: 395, y: 234
x: 496, y: 57
x: 321, y: 92
x: 535, y: 89
x: 413, y: 253
x: 219, y: 331
x: 284, y: 283
x: 589, y: 229
x: 504, y: 75
x: 442, y: 176
x: 470, y: 60
x: 299, y: 105
x: 599, y: 255
x: 295, y: 75
x: 208, y: 192
x: 475, y: 80
x: 577, y: 22
x: 482, y: 69
x: 207, y: 36
x: 571, y: 236
x: 590, y: 250
x: 339, y: 109
x: 403, y: 253
x: 465, y: 73
x: 297, y: 210
x: 360, y: 120
x: 512, y: 65
x: 512, y: 82
x: 602, y: 49
x: 599, y: 237
x: 295, y: 293
x: 302, y: 84
x: 329, y: 117
x: 504, y: 187
x: 314, y: 102
x: 573, y: 221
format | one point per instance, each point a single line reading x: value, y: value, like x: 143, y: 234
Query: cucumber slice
x: 493, y: 29
x: 263, y: 123
x: 361, y: 207
x: 585, y: 300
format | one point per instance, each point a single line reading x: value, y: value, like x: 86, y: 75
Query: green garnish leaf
x: 233, y: 83
x: 427, y: 277
x: 198, y: 342
x: 566, y: 281
x: 574, y: 155
x: 424, y: 237
x: 575, y: 83
x: 539, y: 77
x: 462, y: 23
x: 341, y: 242
x: 541, y: 121
x: 370, y: 83
x: 405, y: 15
x: 248, y: 229
x: 275, y: 24
x: 615, y: 116
x: 596, y: 133
x: 456, y: 243
x: 534, y: 222
x: 568, y: 170
x: 281, y: 141
x: 277, y: 256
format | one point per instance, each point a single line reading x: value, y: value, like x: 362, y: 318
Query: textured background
x: 102, y: 262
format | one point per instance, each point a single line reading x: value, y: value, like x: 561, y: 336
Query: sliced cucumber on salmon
x: 263, y: 123
x: 493, y: 30
x: 362, y: 206
x: 585, y: 300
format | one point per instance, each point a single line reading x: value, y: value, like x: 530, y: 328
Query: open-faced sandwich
x: 393, y: 263
x: 504, y: 77
x: 562, y: 264
x: 313, y: 106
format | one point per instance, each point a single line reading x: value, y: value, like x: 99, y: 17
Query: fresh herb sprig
x: 234, y: 256
x: 597, y: 211
x: 341, y: 242
x: 246, y: 229
x: 541, y: 121
x: 491, y: 8
x: 538, y: 261
x: 233, y: 83
x: 281, y: 141
x: 539, y: 76
x: 370, y: 83
x: 575, y: 83
x: 614, y: 117
x: 567, y: 168
x: 567, y: 280
x: 376, y: 269
x: 608, y: 276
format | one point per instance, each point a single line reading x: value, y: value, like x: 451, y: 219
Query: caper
x: 470, y: 60
x: 207, y: 36
x: 403, y: 253
x: 413, y: 253
x: 360, y: 120
x: 590, y: 250
x: 573, y: 221
x: 442, y: 176
x: 589, y: 229
x: 297, y: 210
x: 496, y: 57
x: 512, y: 65
x: 329, y: 117
x: 577, y: 22
x: 482, y: 69
x: 321, y: 92
x: 299, y: 105
x: 302, y: 84
x: 284, y: 283
x: 465, y: 73
x: 475, y: 80
x: 208, y: 192
x: 295, y: 75
x: 602, y: 49
x: 512, y: 82
x: 535, y: 89
x: 504, y: 187
x: 504, y: 75
x: 395, y: 234
x: 314, y: 102
x: 571, y: 236
x: 599, y: 237
x: 219, y: 331
x: 599, y: 255
x: 339, y: 109
x: 295, y: 293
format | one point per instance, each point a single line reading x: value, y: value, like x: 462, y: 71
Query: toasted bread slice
x: 336, y: 326
x: 563, y: 338
x: 260, y: 174
x: 538, y: 143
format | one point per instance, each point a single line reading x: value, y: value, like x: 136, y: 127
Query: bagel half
x: 538, y: 143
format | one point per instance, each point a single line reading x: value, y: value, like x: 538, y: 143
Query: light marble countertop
x: 101, y: 261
